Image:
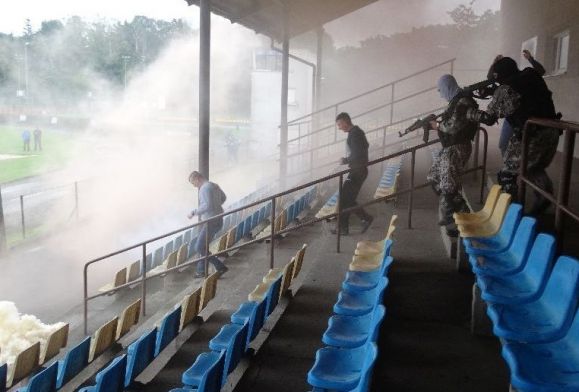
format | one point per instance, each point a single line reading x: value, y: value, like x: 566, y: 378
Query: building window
x: 561, y: 52
x: 268, y: 60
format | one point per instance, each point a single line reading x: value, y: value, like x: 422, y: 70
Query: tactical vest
x: 467, y: 133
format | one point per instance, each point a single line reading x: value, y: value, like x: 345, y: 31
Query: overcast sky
x: 379, y: 17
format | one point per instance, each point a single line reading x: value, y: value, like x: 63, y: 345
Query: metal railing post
x: 22, y: 216
x: 392, y: 104
x: 476, y: 152
x: 206, y: 259
x: 484, y: 163
x: 335, y: 125
x: 411, y: 194
x: 339, y: 217
x: 272, y: 235
x: 564, y: 183
x: 144, y: 280
x: 85, y: 300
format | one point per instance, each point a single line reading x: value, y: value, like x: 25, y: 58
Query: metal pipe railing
x: 561, y: 202
x: 271, y: 199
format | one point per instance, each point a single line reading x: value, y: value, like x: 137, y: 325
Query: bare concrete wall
x: 524, y: 19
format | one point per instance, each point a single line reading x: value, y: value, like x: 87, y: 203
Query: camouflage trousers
x: 445, y: 178
x: 542, y: 149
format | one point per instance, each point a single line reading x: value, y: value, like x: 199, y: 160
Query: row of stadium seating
x: 210, y: 370
x: 139, y: 353
x: 237, y: 226
x: 531, y: 295
x: 346, y: 363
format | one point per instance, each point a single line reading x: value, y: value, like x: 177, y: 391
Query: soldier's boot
x: 508, y: 182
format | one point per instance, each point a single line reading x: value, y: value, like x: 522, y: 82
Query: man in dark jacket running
x: 357, y: 158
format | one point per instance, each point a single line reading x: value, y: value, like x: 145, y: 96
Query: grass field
x: 57, y: 148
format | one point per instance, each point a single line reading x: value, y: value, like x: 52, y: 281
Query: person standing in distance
x: 211, y: 199
x: 357, y: 147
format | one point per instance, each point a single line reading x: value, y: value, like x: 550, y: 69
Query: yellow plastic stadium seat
x: 491, y: 226
x: 231, y: 237
x: 299, y: 261
x: 182, y: 254
x: 482, y: 215
x: 373, y: 247
x: 258, y: 293
x: 208, y: 290
x: 24, y: 364
x: 287, y: 277
x: 190, y: 308
x: 120, y: 279
x: 103, y: 338
x: 55, y: 342
x: 134, y: 271
x: 171, y: 260
x: 272, y: 275
x: 129, y: 317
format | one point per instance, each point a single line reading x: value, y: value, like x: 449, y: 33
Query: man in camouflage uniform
x: 455, y: 132
x: 521, y: 95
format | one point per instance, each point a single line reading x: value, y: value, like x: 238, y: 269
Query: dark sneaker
x: 452, y: 233
x: 445, y: 221
x: 366, y: 224
x: 222, y: 271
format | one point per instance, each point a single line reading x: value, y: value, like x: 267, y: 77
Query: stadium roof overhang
x: 267, y: 16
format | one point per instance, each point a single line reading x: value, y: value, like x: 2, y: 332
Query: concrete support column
x: 284, y: 112
x: 318, y: 76
x: 204, y: 84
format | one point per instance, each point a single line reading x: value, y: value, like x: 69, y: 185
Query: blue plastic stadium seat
x: 73, y: 362
x: 206, y: 374
x: 546, y: 319
x: 232, y: 339
x: 43, y: 381
x: 187, y: 236
x: 548, y: 366
x: 168, y: 250
x: 254, y: 219
x: 3, y: 376
x: 139, y: 355
x: 177, y: 242
x: 353, y: 331
x: 514, y: 259
x: 501, y: 241
x: 168, y: 330
x: 361, y: 280
x: 358, y: 303
x: 111, y: 378
x: 247, y: 226
x: 272, y: 296
x: 343, y: 369
x: 239, y: 231
x: 252, y: 313
x: 158, y: 257
x: 527, y: 285
x: 226, y: 222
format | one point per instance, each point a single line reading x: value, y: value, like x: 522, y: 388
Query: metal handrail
x: 273, y: 234
x: 451, y: 61
x: 561, y: 203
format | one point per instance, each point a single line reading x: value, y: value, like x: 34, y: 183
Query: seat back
x: 43, y: 381
x: 562, y: 291
x: 523, y: 240
x: 510, y: 223
x: 55, y: 342
x: 387, y: 247
x: 540, y: 260
x: 73, y: 362
x: 134, y: 271
x: 256, y: 321
x: 104, y: 337
x: 299, y: 261
x: 182, y: 254
x: 231, y: 235
x: 171, y: 260
x: 235, y: 351
x: 129, y: 317
x: 177, y: 242
x: 272, y: 296
x: 247, y: 226
x: 492, y: 199
x: 168, y: 249
x: 120, y: 277
x: 187, y: 236
x: 158, y: 257
x: 149, y: 261
x: 500, y: 211
x: 168, y: 329
x: 111, y: 378
x: 190, y: 307
x: 26, y: 361
x: 208, y: 290
x: 287, y: 277
x: 139, y: 355
x: 239, y: 231
x: 254, y: 219
x: 366, y: 373
x: 212, y: 379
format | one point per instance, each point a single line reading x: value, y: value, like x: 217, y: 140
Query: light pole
x: 125, y: 59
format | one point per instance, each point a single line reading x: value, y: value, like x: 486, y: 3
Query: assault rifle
x: 480, y: 90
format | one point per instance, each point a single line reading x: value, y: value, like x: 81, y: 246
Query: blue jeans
x: 506, y: 133
x: 205, y: 236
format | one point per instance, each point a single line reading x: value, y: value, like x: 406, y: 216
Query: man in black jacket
x: 357, y: 158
